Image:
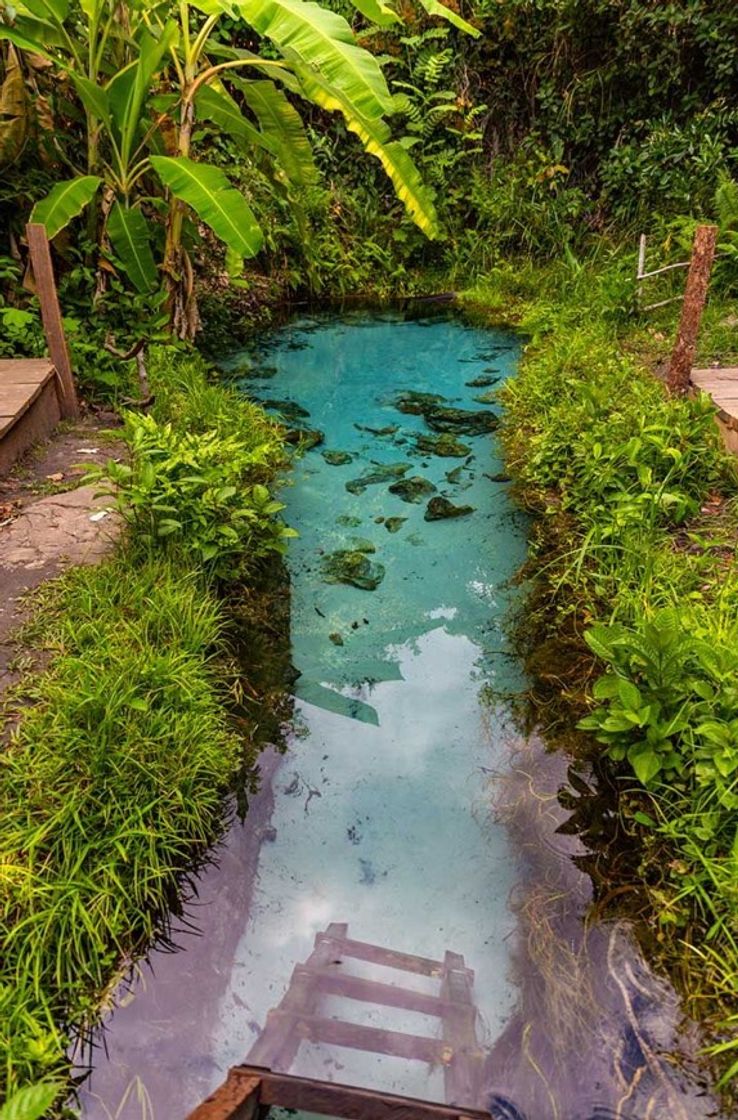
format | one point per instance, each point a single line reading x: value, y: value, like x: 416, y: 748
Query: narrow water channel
x: 407, y: 813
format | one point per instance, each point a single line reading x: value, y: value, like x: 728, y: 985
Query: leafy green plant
x: 32, y: 1102
x: 196, y: 491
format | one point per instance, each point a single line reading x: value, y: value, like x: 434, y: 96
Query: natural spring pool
x: 407, y: 807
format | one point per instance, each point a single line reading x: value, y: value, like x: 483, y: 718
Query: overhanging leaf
x: 94, y: 98
x: 207, y: 190
x: 129, y: 235
x: 377, y: 11
x: 64, y: 202
x: 280, y: 123
x: 220, y: 108
x: 435, y: 8
x: 324, y: 41
x: 374, y: 135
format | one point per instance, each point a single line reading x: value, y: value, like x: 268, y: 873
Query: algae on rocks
x: 350, y: 565
x: 445, y: 445
x: 381, y: 472
x: 413, y: 489
x: 439, y: 509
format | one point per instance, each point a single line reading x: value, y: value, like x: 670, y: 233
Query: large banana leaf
x: 64, y: 202
x: 436, y: 8
x: 375, y: 136
x: 24, y: 38
x: 377, y: 11
x: 130, y: 86
x: 13, y: 110
x: 280, y: 123
x: 130, y: 237
x: 220, y: 108
x: 208, y: 192
x: 94, y: 98
x: 324, y: 41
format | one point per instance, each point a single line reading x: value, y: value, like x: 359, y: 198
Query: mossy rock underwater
x: 440, y: 509
x: 446, y: 446
x: 443, y: 417
x: 413, y: 489
x: 381, y: 472
x: 337, y: 458
x: 351, y: 566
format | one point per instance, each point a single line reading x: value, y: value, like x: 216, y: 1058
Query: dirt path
x: 50, y: 519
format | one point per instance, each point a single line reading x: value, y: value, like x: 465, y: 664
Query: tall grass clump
x: 121, y: 750
x: 634, y: 592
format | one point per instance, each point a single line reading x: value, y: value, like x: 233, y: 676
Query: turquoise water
x: 407, y: 806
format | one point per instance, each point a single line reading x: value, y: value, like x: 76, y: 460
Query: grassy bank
x: 631, y: 621
x: 112, y: 785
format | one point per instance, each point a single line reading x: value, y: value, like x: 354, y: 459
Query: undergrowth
x: 113, y: 781
x: 633, y: 568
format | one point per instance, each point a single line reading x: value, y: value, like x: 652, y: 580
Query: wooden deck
x: 722, y: 386
x: 29, y: 405
x: 21, y: 382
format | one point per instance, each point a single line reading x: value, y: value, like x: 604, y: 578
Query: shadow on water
x: 406, y: 808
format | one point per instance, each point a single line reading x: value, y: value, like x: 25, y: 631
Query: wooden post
x: 43, y: 274
x: 695, y: 294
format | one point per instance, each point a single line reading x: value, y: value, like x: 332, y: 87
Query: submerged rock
x: 361, y: 544
x: 412, y: 489
x: 291, y: 410
x: 348, y: 519
x: 305, y: 438
x: 497, y: 477
x: 336, y: 639
x: 438, y: 509
x: 389, y: 430
x: 446, y: 445
x: 394, y: 524
x: 460, y: 420
x: 482, y: 382
x: 415, y: 404
x: 443, y: 417
x: 380, y: 473
x: 352, y: 567
x: 454, y: 476
x: 337, y: 458
x: 487, y: 398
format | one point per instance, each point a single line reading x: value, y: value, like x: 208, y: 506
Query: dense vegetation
x: 196, y: 163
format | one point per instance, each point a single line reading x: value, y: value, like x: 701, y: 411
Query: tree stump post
x: 695, y: 294
x: 43, y: 275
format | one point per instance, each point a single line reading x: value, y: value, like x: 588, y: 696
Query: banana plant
x: 143, y: 81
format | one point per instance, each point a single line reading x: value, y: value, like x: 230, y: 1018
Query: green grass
x: 635, y: 506
x: 113, y: 783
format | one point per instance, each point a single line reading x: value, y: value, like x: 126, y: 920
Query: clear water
x: 406, y: 807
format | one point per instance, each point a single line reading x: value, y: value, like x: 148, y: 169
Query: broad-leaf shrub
x: 198, y: 491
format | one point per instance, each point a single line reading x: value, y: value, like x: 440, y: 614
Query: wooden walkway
x: 722, y: 386
x: 21, y: 382
x: 29, y: 405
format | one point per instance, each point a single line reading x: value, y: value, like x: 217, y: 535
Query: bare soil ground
x: 51, y: 519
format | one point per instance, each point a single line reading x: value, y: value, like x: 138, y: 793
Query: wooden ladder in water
x: 297, y: 1019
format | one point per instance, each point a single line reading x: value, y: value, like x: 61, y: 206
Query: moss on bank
x: 113, y: 783
x: 631, y: 621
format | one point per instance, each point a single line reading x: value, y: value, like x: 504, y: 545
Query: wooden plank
x: 25, y: 371
x: 361, y: 950
x: 238, y: 1098
x: 15, y: 400
x: 331, y: 1099
x: 43, y: 274
x: 695, y: 294
x: 463, y: 1074
x: 372, y: 991
x: 354, y: 1036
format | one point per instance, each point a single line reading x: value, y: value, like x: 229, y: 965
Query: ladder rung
x: 337, y: 1032
x: 372, y: 991
x: 376, y: 954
